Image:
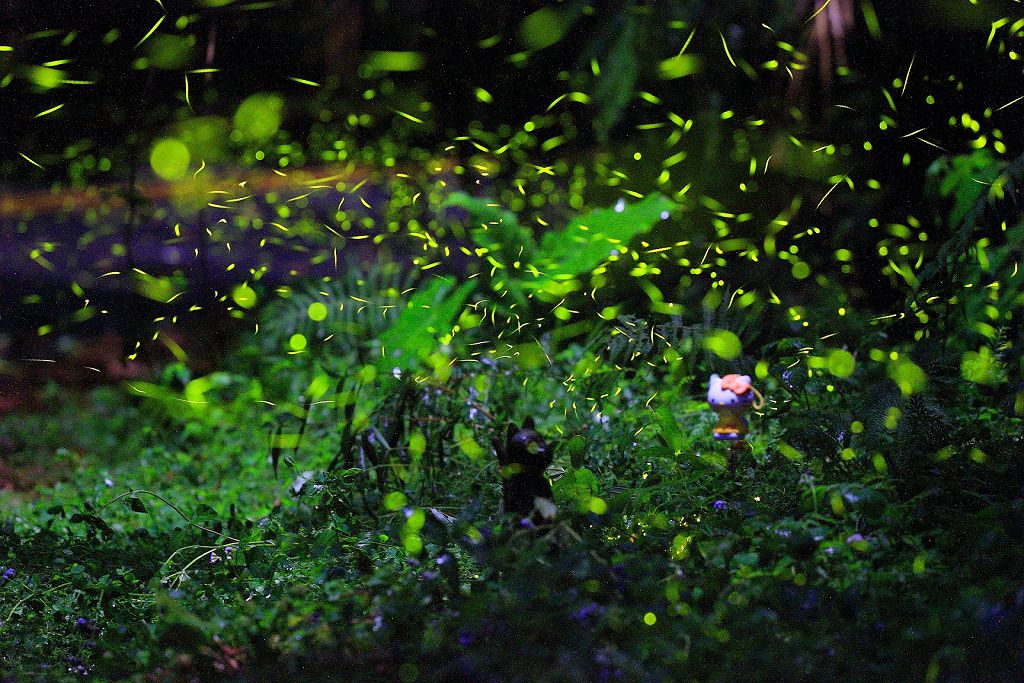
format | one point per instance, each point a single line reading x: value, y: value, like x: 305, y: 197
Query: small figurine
x: 730, y: 397
x: 522, y: 459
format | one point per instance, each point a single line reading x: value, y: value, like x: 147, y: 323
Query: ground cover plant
x: 389, y: 359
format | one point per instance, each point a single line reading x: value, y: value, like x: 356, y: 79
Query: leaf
x: 430, y: 313
x: 748, y: 559
x: 576, y: 448
x: 417, y: 444
x: 206, y: 513
x: 468, y: 444
x: 574, y: 251
x: 135, y: 504
x: 656, y: 452
x: 713, y: 458
x: 670, y: 429
x: 93, y: 521
x: 575, y: 484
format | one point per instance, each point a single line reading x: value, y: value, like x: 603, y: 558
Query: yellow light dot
x: 317, y: 311
x: 650, y: 619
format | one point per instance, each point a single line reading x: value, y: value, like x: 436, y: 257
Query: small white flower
x: 396, y: 372
x: 620, y: 205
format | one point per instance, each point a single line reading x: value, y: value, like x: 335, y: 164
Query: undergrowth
x: 867, y: 532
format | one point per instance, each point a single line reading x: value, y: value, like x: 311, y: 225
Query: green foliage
x: 586, y: 240
x: 359, y: 307
x: 328, y: 499
x: 428, y: 317
x: 964, y: 179
x: 495, y: 229
x: 235, y: 563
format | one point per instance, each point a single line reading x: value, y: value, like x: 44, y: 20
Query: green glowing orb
x: 317, y: 311
x: 170, y: 158
x: 244, y: 296
x: 258, y: 117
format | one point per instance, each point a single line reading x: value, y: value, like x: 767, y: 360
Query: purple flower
x: 586, y: 612
x: 858, y: 542
x: 526, y: 523
x: 465, y: 639
x: 81, y: 622
x: 9, y: 574
x: 719, y: 505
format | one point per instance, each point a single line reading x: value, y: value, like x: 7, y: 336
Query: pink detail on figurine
x: 731, y: 396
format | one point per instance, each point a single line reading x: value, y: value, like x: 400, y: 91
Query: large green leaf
x: 430, y: 314
x: 576, y: 250
x: 576, y: 484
